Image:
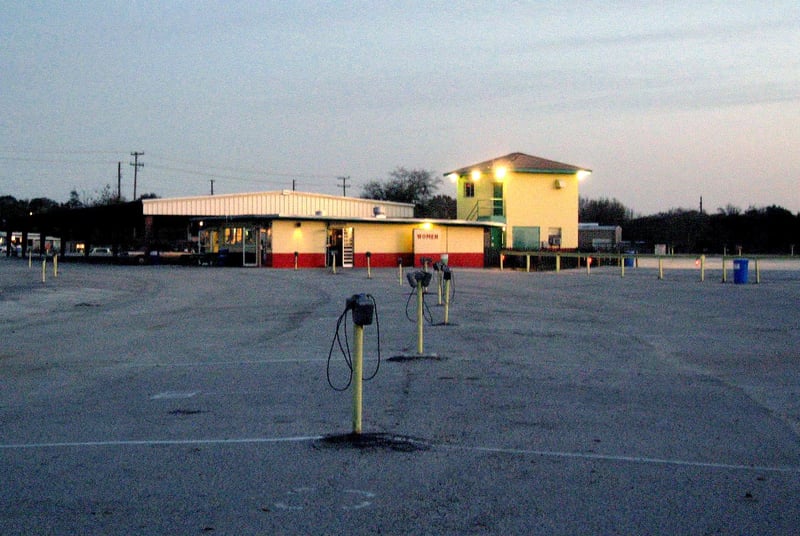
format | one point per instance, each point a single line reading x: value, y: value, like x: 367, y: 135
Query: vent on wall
x: 558, y: 184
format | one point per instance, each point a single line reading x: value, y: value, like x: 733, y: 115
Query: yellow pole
x: 447, y: 301
x: 758, y: 273
x: 724, y: 271
x: 660, y: 268
x: 55, y: 265
x: 558, y: 263
x: 621, y: 266
x: 439, y: 287
x: 702, y: 268
x: 44, y: 269
x: 527, y: 263
x: 295, y: 260
x: 588, y: 265
x: 358, y: 375
x: 30, y: 258
x: 400, y: 272
x: 333, y: 261
x: 369, y: 269
x: 420, y: 318
x: 502, y: 258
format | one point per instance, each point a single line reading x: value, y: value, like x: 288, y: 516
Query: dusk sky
x: 665, y: 101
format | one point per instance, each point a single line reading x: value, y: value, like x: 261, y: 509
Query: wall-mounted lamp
x: 475, y: 175
x: 298, y: 224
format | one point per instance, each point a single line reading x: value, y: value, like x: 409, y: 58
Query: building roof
x: 520, y: 163
x: 281, y: 202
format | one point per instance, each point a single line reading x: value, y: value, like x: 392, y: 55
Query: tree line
x: 12, y: 208
x: 771, y: 229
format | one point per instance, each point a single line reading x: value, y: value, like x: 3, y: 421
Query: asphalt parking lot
x: 189, y: 400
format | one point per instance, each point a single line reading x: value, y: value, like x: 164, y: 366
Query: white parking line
x: 500, y: 450
x: 156, y: 442
x: 171, y: 395
x: 629, y: 459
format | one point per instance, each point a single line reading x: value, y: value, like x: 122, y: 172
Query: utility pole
x: 136, y: 165
x: 212, y: 186
x: 344, y: 184
x: 119, y: 182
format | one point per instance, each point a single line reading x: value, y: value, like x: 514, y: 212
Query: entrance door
x: 492, y: 244
x: 498, y: 205
x: 250, y: 246
x: 341, y: 246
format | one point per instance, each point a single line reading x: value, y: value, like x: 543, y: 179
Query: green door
x: 492, y: 244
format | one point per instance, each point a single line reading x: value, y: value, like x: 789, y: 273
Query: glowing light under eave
x: 583, y: 174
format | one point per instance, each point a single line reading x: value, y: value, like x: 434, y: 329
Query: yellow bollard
x: 446, y: 301
x: 660, y: 268
x: 295, y: 259
x: 44, y: 269
x: 420, y: 319
x: 55, y: 265
x: 369, y: 267
x: 358, y: 376
x: 558, y: 263
x: 502, y: 258
x: 30, y: 258
x: 527, y: 263
x: 588, y: 265
x: 702, y: 268
x: 439, y: 287
x: 621, y: 266
x: 400, y: 271
x: 724, y: 271
x: 758, y: 273
x: 333, y: 262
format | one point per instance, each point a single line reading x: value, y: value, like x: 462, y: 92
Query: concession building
x: 284, y: 229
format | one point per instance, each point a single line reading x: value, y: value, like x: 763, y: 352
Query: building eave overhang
x: 344, y: 219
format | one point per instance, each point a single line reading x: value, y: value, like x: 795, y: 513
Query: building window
x: 554, y: 237
x: 469, y: 189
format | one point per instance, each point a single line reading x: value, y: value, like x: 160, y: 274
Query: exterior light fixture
x: 583, y: 174
x: 475, y: 175
x: 453, y: 177
x: 500, y: 172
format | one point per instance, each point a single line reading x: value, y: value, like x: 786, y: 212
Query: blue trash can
x: 629, y: 261
x: 740, y: 271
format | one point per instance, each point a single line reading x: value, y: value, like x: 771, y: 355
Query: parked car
x: 101, y: 252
